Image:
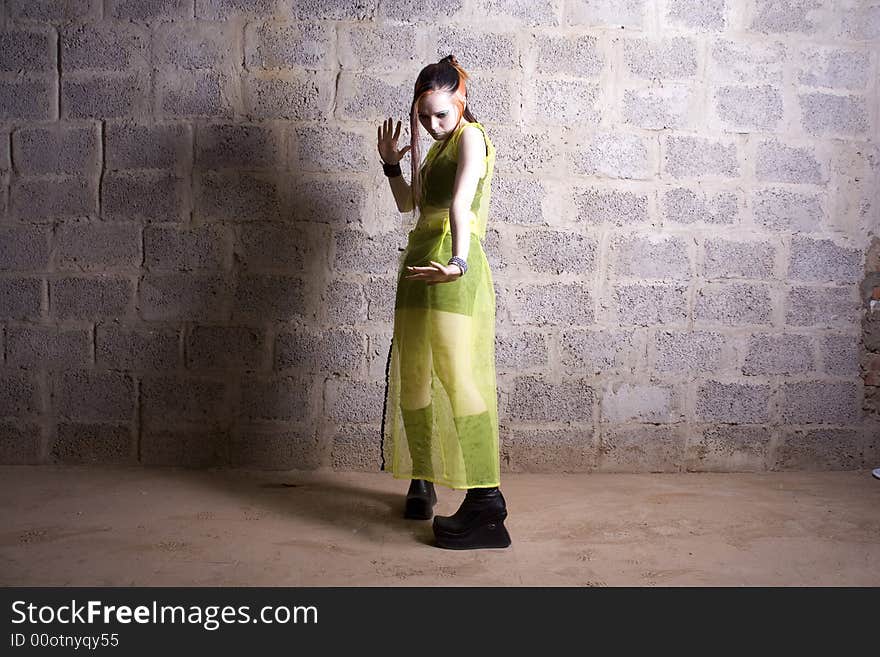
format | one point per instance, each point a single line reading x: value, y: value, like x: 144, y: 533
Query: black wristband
x: 391, y: 170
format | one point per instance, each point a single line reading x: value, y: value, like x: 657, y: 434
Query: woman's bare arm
x: 402, y: 194
x: 471, y: 167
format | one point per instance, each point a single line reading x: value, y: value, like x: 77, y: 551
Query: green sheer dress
x: 441, y: 415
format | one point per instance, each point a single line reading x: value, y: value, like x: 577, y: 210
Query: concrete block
x: 97, y: 246
x: 687, y: 206
x: 823, y: 261
x: 322, y: 149
x: 860, y: 23
x: 732, y: 402
x: 641, y: 449
x: 261, y: 245
x: 330, y: 351
x: 116, y: 46
x: 289, y: 45
x: 344, y: 303
x: 278, y: 399
x: 530, y: 151
x: 649, y: 255
x: 226, y: 348
x: 748, y: 109
x: 792, y: 17
x: 534, y: 399
x: 47, y: 347
x: 840, y: 354
x: 183, y: 297
x: 698, y: 15
x: 172, y: 398
x: 594, y: 205
x: 20, y: 442
x: 600, y: 351
x: 350, y: 401
x: 54, y: 11
x: 783, y: 209
x: 20, y: 394
x: 57, y: 149
x: 24, y: 248
x: 829, y: 115
x: 734, y: 259
x: 191, y: 446
x: 576, y: 55
x: 41, y: 199
x: 477, y: 48
x: 91, y: 298
x: 238, y: 146
x: 824, y: 402
x: 734, y: 304
x: 30, y: 98
x: 517, y: 201
x: 778, y: 162
x: 135, y: 348
x: 197, y: 45
x: 161, y: 146
x: 335, y: 200
x: 521, y: 349
x: 380, y: 295
x: 195, y: 94
x: 103, y: 96
x: 175, y: 248
x: 21, y: 298
x: 87, y: 396
x: 647, y: 305
x: 343, y: 10
x: 549, y: 451
x: 294, y: 96
x: 224, y: 10
x: 261, y: 297
x: 30, y: 48
x: 826, y: 307
x: 88, y: 443
x: 570, y: 102
x: 835, y: 68
x: 377, y: 47
x: 827, y: 449
x: 689, y: 352
x: 639, y: 402
x: 655, y: 108
x: 729, y: 448
x: 606, y: 13
x: 364, y: 97
x: 746, y: 61
x: 663, y: 58
x: 355, y: 448
x: 785, y: 354
x: 699, y: 157
x: 237, y: 196
x: 533, y: 14
x: 149, y: 10
x: 149, y: 195
x: 613, y: 155
x: 557, y: 252
x: 354, y: 249
x: 554, y: 303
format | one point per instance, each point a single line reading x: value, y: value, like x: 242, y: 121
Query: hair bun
x: 450, y: 58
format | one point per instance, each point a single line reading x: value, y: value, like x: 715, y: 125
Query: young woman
x: 441, y: 416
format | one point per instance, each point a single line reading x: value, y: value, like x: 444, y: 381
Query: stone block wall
x: 198, y: 246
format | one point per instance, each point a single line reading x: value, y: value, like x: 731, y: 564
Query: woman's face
x: 438, y: 114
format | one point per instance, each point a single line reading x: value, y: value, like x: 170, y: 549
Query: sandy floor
x: 161, y: 527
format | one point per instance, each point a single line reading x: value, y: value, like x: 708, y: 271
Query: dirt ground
x: 121, y: 526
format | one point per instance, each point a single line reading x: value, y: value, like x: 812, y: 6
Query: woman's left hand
x: 436, y: 273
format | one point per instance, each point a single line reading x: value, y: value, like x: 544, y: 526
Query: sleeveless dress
x: 440, y: 420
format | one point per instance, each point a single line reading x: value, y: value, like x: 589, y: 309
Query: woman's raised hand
x: 388, y: 142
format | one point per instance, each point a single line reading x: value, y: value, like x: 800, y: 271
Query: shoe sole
x: 492, y: 534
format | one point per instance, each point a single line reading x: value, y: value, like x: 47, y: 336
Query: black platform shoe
x: 478, y: 523
x: 420, y: 500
